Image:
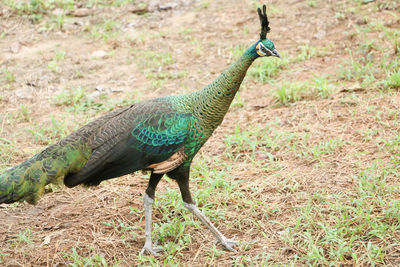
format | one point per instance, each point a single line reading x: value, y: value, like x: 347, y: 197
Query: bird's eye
x: 263, y: 49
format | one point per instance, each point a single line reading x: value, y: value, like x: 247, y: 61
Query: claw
x: 228, y: 244
x: 150, y: 250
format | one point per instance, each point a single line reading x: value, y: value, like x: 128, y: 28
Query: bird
x: 160, y: 135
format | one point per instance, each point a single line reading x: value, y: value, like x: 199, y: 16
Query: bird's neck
x: 213, y: 101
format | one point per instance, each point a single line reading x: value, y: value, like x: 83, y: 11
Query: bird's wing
x: 160, y: 134
x: 146, y: 133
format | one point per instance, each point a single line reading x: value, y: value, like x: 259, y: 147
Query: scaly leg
x: 148, y: 207
x: 227, y: 243
x: 181, y: 175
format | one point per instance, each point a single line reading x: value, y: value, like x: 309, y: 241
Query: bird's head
x: 265, y: 47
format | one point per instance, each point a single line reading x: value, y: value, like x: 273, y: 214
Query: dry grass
x: 303, y: 170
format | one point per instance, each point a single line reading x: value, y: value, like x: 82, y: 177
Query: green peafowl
x: 161, y: 135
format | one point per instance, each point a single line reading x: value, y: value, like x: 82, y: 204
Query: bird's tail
x: 27, y: 180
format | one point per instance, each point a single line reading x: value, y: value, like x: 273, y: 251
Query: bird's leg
x: 148, y: 207
x: 227, y: 243
x: 190, y: 205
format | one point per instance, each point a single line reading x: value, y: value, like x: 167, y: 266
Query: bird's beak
x: 275, y: 53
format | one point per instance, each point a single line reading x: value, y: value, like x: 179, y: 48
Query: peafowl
x: 161, y: 135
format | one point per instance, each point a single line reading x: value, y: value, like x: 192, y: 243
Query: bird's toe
x: 229, y: 244
x: 151, y: 250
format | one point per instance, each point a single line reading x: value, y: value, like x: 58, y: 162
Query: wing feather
x: 144, y: 134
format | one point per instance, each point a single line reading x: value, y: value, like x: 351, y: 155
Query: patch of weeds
x: 118, y: 3
x: 340, y: 16
x: 306, y: 52
x: 289, y: 185
x: 237, y: 51
x: 77, y: 101
x: 107, y: 3
x: 238, y: 101
x: 166, y: 75
x: 368, y: 134
x: 396, y: 46
x: 60, y: 55
x: 107, y: 30
x: 53, y: 64
x: 323, y: 148
x: 265, y: 70
x: 78, y: 74
x: 125, y: 231
x: 359, y: 70
x: 312, y: 3
x: 156, y: 60
x: 213, y: 255
x: 7, y: 76
x: 317, y: 87
x: 389, y: 5
x: 49, y: 134
x: 153, y: 64
x: 96, y: 3
x: 393, y: 81
x: 205, y: 4
x: 262, y: 259
x: 356, y: 227
x: 24, y: 237
x: 322, y: 86
x: 34, y: 9
x: 77, y: 260
x: 71, y: 97
x: 213, y: 181
x: 187, y: 34
x: 55, y: 23
x: 290, y: 92
x: 368, y: 46
x: 171, y: 229
x: 24, y: 114
x: 148, y: 261
x: 393, y: 145
x: 245, y: 143
x: 242, y: 141
x: 8, y: 150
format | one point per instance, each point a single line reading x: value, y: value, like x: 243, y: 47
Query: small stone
x: 320, y: 35
x: 47, y: 240
x: 167, y: 6
x: 99, y: 54
x: 140, y: 10
x: 262, y: 156
x: 15, y: 47
x: 81, y: 12
x: 58, y: 12
x: 100, y: 88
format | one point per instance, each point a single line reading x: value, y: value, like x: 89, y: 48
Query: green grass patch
x: 107, y: 30
x: 357, y: 226
x: 76, y: 260
x: 263, y: 70
x: 393, y: 81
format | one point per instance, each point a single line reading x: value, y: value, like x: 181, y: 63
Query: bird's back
x: 133, y: 138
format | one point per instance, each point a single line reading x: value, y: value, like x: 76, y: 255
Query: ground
x: 303, y: 170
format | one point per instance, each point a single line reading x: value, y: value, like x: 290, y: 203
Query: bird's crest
x: 264, y: 22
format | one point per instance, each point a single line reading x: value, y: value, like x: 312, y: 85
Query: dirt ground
x: 62, y: 66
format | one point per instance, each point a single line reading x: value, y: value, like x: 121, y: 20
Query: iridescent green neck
x: 212, y: 102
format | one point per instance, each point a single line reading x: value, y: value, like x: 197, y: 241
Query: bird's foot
x: 228, y: 243
x: 150, y: 249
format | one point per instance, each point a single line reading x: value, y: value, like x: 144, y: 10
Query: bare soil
x: 200, y: 37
